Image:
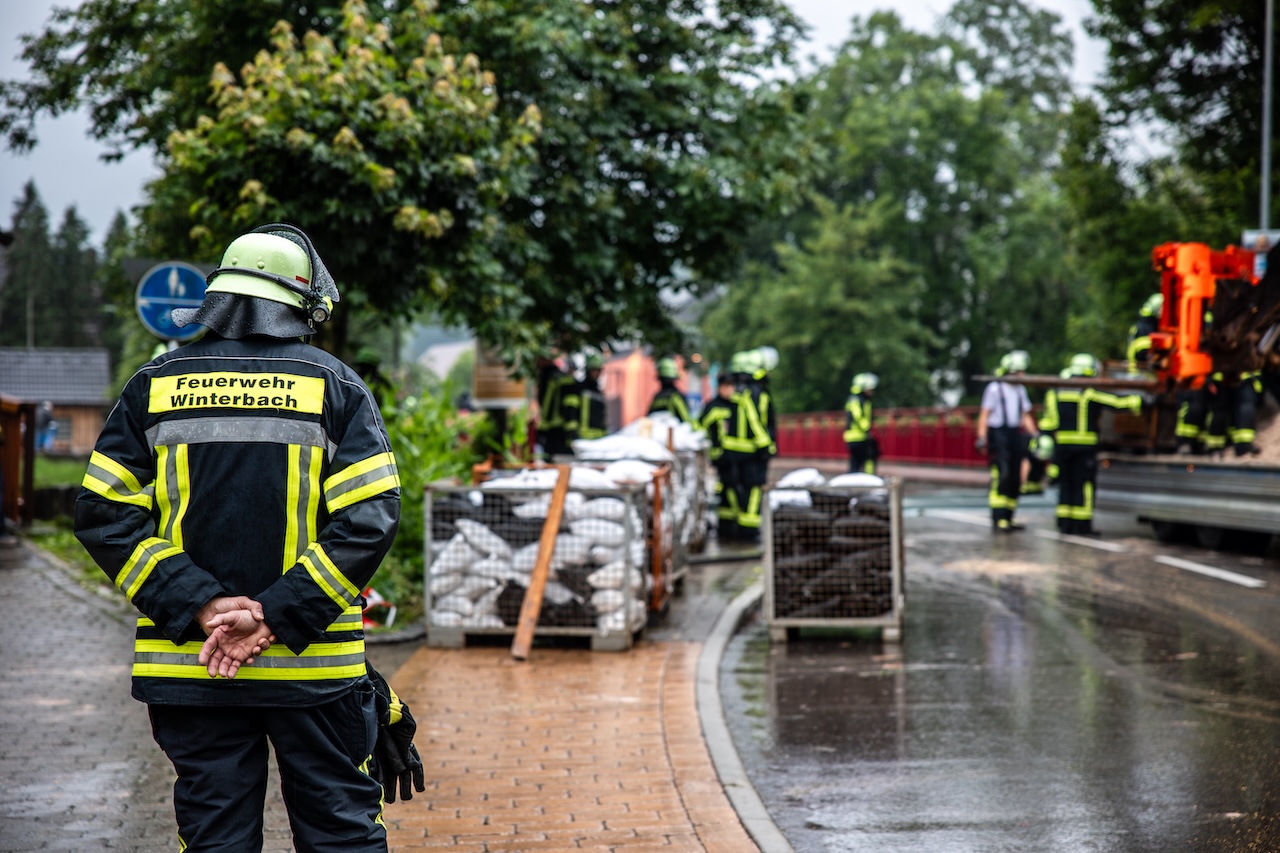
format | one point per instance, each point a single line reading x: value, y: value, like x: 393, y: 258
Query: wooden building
x: 75, y: 381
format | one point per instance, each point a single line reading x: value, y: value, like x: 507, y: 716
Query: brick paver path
x: 568, y: 750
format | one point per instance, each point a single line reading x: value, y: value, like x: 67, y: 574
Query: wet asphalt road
x: 1048, y: 695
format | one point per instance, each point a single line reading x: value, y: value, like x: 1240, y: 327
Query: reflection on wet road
x: 1047, y: 696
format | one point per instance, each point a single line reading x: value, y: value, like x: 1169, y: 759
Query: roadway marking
x: 1175, y: 562
x: 1211, y: 571
x: 985, y: 521
x: 1097, y: 544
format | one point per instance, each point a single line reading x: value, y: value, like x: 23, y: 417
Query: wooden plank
x: 531, y: 607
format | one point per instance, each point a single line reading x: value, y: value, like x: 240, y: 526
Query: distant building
x: 74, y: 380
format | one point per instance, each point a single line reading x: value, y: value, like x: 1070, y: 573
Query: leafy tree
x: 839, y: 304
x: 118, y: 313
x: 382, y: 147
x: 957, y: 133
x: 68, y: 302
x: 31, y: 267
x: 661, y: 146
x: 1117, y: 211
x: 141, y: 67
x: 1195, y: 67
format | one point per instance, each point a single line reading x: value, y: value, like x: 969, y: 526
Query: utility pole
x: 1264, y: 213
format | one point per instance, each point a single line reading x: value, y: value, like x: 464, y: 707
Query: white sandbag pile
x: 832, y: 546
x: 486, y: 542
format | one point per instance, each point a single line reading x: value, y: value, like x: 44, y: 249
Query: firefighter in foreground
x: 241, y: 495
x: 669, y: 398
x: 1071, y: 416
x: 857, y: 433
x: 1005, y: 412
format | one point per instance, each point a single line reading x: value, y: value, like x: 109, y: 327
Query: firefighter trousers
x: 1005, y: 452
x: 1077, y: 474
x: 220, y: 755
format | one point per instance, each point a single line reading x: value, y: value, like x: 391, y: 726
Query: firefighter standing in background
x: 1005, y: 411
x: 748, y: 447
x: 551, y: 387
x: 669, y: 398
x: 1233, y: 413
x: 242, y: 492
x: 857, y: 433
x: 585, y: 415
x: 719, y: 419
x: 1139, y: 353
x: 1071, y: 416
x: 758, y: 405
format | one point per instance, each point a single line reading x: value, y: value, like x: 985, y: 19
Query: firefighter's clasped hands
x: 236, y: 632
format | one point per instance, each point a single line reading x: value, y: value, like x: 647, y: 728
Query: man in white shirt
x: 1006, y: 411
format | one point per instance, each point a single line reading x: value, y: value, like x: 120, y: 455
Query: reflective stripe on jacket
x: 858, y: 424
x: 1072, y: 414
x: 253, y: 467
x: 748, y: 434
x: 670, y: 400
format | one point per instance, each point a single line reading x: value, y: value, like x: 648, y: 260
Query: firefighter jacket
x: 669, y: 399
x: 1072, y: 414
x: 256, y: 467
x: 718, y: 420
x: 585, y: 415
x: 748, y: 435
x: 767, y: 413
x: 858, y: 422
x: 553, y: 386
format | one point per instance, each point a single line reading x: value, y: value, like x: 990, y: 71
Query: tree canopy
x: 540, y: 172
x: 951, y: 138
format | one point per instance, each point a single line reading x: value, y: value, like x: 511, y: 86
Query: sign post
x: 172, y: 284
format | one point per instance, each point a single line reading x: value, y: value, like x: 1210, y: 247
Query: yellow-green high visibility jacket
x: 585, y: 413
x: 717, y: 421
x: 858, y: 424
x: 669, y: 399
x: 255, y: 467
x: 555, y: 385
x: 748, y: 435
x: 1072, y: 414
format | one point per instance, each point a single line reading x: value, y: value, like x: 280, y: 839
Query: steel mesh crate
x: 481, y: 547
x: 835, y: 560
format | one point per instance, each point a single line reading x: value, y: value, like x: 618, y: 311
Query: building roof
x: 68, y: 377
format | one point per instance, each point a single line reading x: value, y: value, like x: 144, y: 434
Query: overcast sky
x: 67, y: 170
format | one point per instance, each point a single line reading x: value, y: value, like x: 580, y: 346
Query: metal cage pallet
x: 481, y: 545
x: 836, y: 562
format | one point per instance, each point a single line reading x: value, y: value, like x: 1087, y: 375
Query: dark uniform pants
x: 862, y: 457
x: 755, y: 474
x: 1005, y: 452
x: 1077, y: 474
x: 727, y: 478
x: 220, y: 755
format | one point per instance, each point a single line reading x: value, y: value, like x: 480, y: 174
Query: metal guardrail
x: 1194, y: 491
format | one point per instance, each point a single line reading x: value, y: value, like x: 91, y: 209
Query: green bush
x: 432, y: 441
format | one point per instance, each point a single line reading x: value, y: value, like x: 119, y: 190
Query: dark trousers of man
x: 1077, y: 474
x: 1234, y: 417
x: 555, y: 442
x: 755, y: 473
x: 1005, y: 452
x: 727, y: 480
x: 862, y: 457
x: 220, y: 755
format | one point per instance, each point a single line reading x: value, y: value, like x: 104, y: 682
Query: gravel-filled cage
x: 482, y: 544
x: 834, y: 558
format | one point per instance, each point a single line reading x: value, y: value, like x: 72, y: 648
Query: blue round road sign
x: 173, y: 284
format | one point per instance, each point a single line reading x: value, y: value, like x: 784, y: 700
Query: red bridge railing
x: 909, y: 436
